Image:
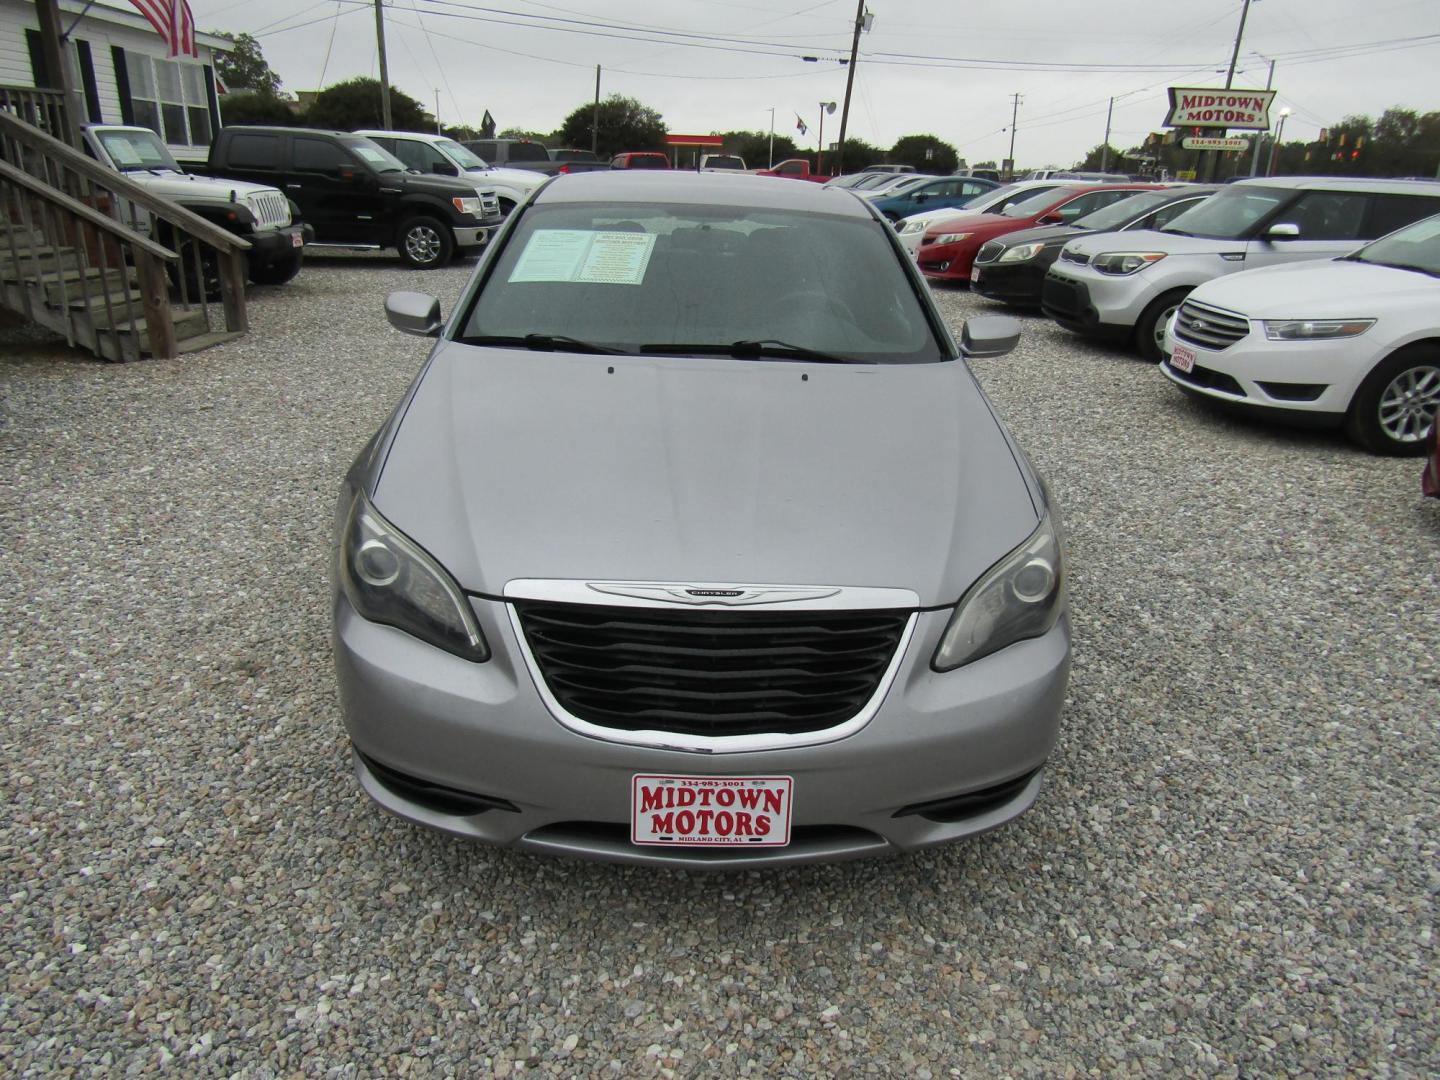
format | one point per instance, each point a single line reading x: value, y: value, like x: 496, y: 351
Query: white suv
x: 437, y: 154
x: 1126, y: 286
x: 1354, y: 340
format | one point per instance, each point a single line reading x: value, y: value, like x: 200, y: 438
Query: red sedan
x: 948, y: 248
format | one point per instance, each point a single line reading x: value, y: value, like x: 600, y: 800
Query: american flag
x: 173, y: 22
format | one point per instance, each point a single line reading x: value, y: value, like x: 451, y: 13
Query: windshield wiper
x: 544, y: 343
x: 752, y: 350
x: 1175, y: 232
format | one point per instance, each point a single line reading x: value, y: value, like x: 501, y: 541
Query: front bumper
x: 278, y: 245
x: 483, y: 730
x: 474, y: 236
x: 1093, y: 304
x: 1292, y: 377
x: 1012, y: 283
x: 948, y: 262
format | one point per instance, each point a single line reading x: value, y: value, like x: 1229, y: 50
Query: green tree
x: 244, y: 66
x: 1112, y: 159
x: 355, y: 103
x: 859, y: 153
x: 911, y: 150
x: 624, y: 124
x: 258, y: 109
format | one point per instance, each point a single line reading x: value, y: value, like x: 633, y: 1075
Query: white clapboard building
x: 121, y: 68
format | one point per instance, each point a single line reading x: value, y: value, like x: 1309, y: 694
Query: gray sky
x: 531, y: 77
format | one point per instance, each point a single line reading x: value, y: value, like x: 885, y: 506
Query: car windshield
x: 688, y: 279
x: 873, y: 180
x: 1120, y: 213
x: 572, y: 155
x: 137, y: 151
x: 1415, y: 247
x: 379, y: 159
x: 1035, y: 204
x: 459, y: 155
x: 1229, y: 214
x: 850, y: 181
x: 907, y: 184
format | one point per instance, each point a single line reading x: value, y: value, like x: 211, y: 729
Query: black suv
x: 357, y: 195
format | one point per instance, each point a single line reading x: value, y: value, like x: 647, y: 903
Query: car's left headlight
x: 468, y: 206
x: 390, y: 579
x: 1315, y: 329
x: 952, y: 237
x: 1121, y: 263
x: 914, y: 226
x: 1021, y: 253
x: 1019, y: 597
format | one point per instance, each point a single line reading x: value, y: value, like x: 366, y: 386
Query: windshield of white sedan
x: 703, y: 280
x: 1414, y: 248
x: 1228, y: 215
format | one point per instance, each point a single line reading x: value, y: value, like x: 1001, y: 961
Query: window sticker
x: 122, y: 150
x: 611, y: 258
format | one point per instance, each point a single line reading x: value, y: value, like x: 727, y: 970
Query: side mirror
x: 417, y: 313
x: 921, y: 196
x: 987, y: 336
x: 347, y: 174
x: 444, y: 168
x: 1284, y: 230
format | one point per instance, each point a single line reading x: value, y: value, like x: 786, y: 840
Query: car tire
x: 278, y: 272
x: 425, y: 242
x: 1388, y: 412
x: 1150, y: 327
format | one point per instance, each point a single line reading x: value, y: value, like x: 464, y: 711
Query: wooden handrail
x: 122, y: 185
x: 88, y: 213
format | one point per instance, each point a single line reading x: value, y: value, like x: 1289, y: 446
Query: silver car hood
x: 515, y: 464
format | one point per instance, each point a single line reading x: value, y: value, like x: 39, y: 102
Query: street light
x: 825, y: 107
x: 1275, y: 146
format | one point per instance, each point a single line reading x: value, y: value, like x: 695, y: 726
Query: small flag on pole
x: 174, y: 22
x: 800, y: 125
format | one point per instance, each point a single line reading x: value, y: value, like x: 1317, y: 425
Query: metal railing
x: 199, y: 280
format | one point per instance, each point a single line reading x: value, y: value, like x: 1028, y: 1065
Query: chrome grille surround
x: 1209, y: 327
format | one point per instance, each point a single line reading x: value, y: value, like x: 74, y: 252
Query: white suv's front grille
x: 489, y: 203
x: 270, y: 208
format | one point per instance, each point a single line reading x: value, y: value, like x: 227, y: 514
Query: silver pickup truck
x: 261, y: 215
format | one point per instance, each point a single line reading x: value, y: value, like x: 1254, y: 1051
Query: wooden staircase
x: 80, y: 253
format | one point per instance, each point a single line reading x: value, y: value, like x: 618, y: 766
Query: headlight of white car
x: 390, y: 579
x: 1019, y: 597
x: 1121, y: 263
x: 1315, y: 329
x: 1021, y: 253
x: 952, y: 237
x: 913, y: 226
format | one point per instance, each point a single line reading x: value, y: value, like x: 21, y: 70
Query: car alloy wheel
x: 422, y: 244
x: 1408, y: 404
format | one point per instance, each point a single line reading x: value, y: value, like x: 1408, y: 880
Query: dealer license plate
x: 975, y: 275
x: 1183, y: 359
x: 711, y: 811
x: 296, y: 240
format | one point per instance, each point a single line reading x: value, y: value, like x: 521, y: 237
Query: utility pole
x: 1260, y: 135
x: 772, y: 138
x: 1211, y: 156
x: 825, y: 106
x: 1014, y: 115
x: 437, y: 111
x: 385, y: 121
x: 595, y: 116
x: 849, y: 84
x: 1105, y: 147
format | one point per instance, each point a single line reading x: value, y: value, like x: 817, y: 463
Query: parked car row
x: 1313, y: 300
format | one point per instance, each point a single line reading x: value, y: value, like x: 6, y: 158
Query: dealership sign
x: 1208, y: 107
x: 1200, y: 142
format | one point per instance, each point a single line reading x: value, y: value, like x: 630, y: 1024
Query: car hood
x: 447, y: 187
x: 1153, y: 240
x: 173, y: 185
x: 521, y: 178
x: 514, y: 464
x: 1052, y: 234
x: 981, y: 225
x: 1331, y: 288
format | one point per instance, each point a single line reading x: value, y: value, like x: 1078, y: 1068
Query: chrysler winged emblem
x: 701, y: 594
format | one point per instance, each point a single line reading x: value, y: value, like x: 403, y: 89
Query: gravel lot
x: 1232, y: 870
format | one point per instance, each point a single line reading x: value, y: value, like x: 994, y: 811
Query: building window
x: 169, y: 98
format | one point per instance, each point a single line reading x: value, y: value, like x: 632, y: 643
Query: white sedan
x: 1353, y: 341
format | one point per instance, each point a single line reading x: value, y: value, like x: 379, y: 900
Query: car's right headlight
x: 468, y: 206
x: 952, y: 237
x: 390, y: 579
x: 1121, y: 263
x: 1019, y: 597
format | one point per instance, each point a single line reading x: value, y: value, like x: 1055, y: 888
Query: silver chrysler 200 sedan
x: 696, y: 543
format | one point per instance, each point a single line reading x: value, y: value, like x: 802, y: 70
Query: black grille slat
x: 710, y: 672
x: 1218, y: 329
x: 989, y: 251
